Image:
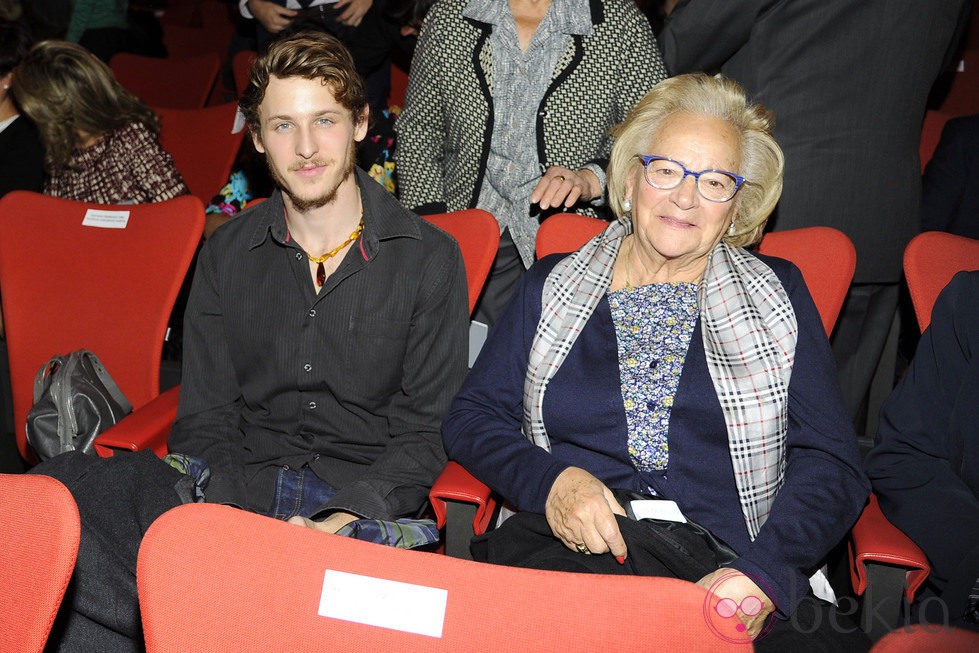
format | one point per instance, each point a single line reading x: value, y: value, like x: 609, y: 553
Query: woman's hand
x: 564, y: 185
x: 354, y: 12
x: 581, y: 513
x: 331, y: 524
x: 751, y: 605
x: 274, y: 18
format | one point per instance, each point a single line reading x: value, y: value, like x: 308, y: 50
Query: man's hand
x: 274, y: 18
x: 581, y: 513
x: 565, y: 185
x: 739, y: 595
x: 354, y: 12
x: 331, y: 524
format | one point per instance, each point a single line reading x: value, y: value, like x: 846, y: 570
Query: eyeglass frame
x: 739, y: 181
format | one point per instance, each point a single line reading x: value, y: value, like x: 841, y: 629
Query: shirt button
x: 307, y: 367
x: 312, y: 405
x: 312, y: 312
x: 653, y: 364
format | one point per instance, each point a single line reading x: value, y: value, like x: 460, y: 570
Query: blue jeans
x: 299, y: 492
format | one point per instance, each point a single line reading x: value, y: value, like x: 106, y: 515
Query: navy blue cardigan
x: 824, y: 489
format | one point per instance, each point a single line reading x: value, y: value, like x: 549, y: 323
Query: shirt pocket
x: 374, y: 355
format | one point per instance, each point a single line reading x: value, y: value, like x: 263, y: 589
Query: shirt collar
x: 384, y: 217
x: 567, y: 16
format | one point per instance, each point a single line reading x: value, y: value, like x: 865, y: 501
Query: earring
x: 626, y: 204
x: 730, y: 230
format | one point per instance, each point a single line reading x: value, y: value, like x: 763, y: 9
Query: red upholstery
x: 873, y: 539
x: 67, y: 286
x: 827, y: 260
x: 250, y: 583
x: 39, y: 536
x: 202, y: 145
x: 456, y: 484
x: 566, y: 232
x: 173, y: 83
x: 478, y: 235
x: 241, y: 69
x: 928, y: 639
x: 931, y: 260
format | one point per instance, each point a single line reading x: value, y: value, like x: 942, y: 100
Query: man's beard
x: 305, y: 204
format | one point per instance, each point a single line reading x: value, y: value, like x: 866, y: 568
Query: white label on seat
x: 385, y: 603
x: 106, y: 219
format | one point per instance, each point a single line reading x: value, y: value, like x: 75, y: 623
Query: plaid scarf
x: 749, y: 331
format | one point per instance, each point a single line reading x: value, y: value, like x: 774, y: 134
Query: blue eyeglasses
x: 665, y: 173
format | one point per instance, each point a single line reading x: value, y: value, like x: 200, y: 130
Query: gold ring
x: 561, y: 177
x: 582, y: 548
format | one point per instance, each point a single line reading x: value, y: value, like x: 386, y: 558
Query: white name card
x: 661, y: 509
x: 384, y: 603
x: 106, y: 219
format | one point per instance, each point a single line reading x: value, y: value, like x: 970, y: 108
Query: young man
x: 324, y: 338
x: 326, y: 330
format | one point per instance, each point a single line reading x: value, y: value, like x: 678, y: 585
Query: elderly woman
x: 663, y: 359
x: 100, y: 140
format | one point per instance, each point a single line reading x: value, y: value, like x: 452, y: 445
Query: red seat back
x: 68, y: 286
x: 202, y: 145
x: 566, y: 232
x: 478, y: 235
x: 827, y: 260
x: 251, y: 583
x: 931, y: 260
x: 183, y: 83
x: 39, y: 536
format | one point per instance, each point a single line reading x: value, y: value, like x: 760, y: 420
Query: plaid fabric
x: 749, y: 331
x: 403, y: 533
x: 571, y: 292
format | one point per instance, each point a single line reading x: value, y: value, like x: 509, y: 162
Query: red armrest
x: 456, y: 484
x: 874, y: 539
x: 147, y: 427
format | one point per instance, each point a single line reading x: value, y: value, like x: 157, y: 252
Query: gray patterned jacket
x: 444, y: 131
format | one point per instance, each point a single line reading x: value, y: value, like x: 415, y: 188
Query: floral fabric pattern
x: 653, y: 327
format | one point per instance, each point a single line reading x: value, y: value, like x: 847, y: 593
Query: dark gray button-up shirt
x: 353, y: 380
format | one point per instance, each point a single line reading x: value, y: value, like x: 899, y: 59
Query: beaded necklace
x: 319, y: 260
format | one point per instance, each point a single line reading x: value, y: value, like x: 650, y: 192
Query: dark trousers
x: 865, y: 348
x: 501, y: 283
x: 118, y: 498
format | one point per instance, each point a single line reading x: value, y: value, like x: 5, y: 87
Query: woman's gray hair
x: 762, y: 162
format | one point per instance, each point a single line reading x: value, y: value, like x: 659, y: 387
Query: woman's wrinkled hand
x: 581, y: 513
x: 565, y: 186
x: 739, y: 595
